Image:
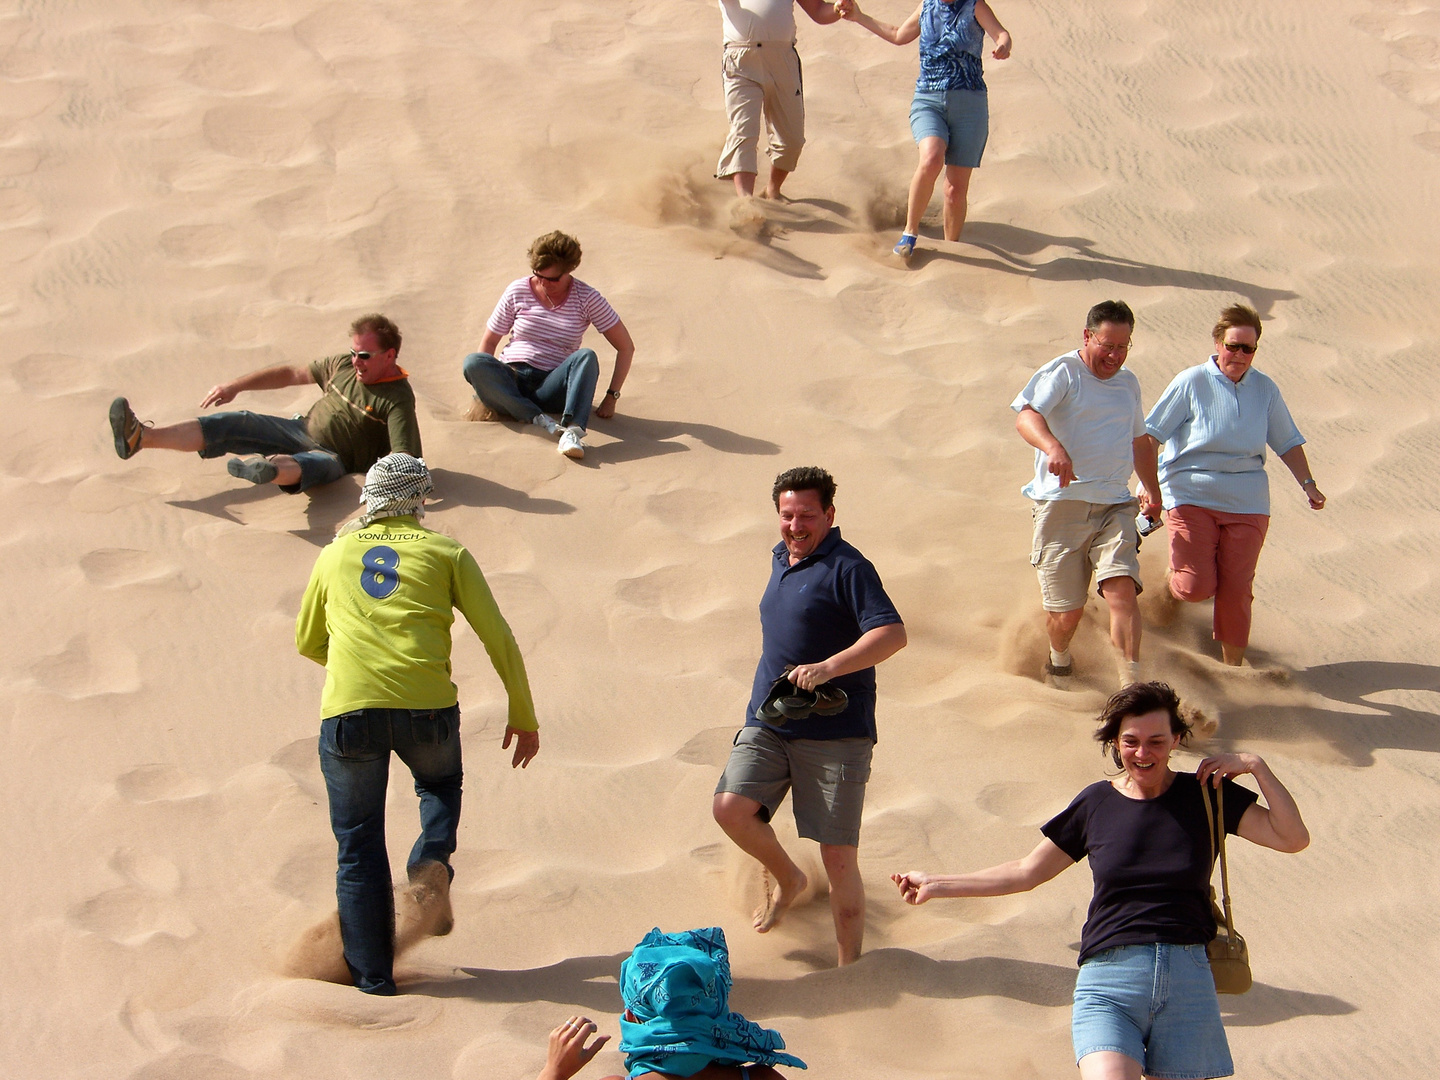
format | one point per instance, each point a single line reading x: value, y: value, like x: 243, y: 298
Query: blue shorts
x: 960, y: 117
x: 245, y: 432
x: 1155, y: 1004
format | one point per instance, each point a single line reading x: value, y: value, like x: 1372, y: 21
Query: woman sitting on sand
x: 543, y: 369
x: 1215, y: 421
x: 1148, y: 838
x: 950, y: 113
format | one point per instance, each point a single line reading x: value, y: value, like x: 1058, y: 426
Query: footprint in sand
x: 131, y: 915
x: 87, y: 669
x: 710, y: 747
x: 116, y: 568
x: 256, y: 132
x: 49, y: 375
x: 158, y: 783
x: 189, y: 1065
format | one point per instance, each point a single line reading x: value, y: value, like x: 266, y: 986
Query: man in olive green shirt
x: 377, y: 613
x: 367, y: 410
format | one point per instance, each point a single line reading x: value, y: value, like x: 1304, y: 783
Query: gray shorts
x: 826, y: 776
x: 1075, y: 541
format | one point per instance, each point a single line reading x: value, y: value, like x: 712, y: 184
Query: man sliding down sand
x: 367, y: 410
x: 377, y: 613
x: 826, y: 613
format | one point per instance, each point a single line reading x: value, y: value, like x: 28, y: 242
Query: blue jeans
x: 523, y: 392
x: 245, y: 432
x: 355, y: 760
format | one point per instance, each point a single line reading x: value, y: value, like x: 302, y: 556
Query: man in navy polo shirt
x: 826, y: 613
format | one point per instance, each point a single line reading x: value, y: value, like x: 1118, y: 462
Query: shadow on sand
x: 640, y: 437
x: 1357, y: 726
x: 879, y: 980
x: 1016, y: 251
x: 325, y: 507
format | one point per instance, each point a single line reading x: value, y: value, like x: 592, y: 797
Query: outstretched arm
x: 991, y: 25
x: 1278, y: 824
x: 567, y: 1053
x: 1021, y: 875
x: 822, y: 11
x: 903, y: 34
x: 275, y: 378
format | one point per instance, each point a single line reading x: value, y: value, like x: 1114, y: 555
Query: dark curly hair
x: 1137, y: 699
x: 806, y: 478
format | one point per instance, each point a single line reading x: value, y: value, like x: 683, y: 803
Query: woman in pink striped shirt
x: 543, y: 369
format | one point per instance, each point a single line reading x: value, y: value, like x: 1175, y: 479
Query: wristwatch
x: 1309, y: 483
x: 613, y: 393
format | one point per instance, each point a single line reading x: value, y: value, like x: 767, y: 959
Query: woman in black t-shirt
x: 1144, y: 998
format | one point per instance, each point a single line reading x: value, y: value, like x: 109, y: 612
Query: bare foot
x: 778, y: 898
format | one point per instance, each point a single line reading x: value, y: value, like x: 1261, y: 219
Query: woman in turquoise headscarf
x: 950, y: 113
x: 677, y: 1021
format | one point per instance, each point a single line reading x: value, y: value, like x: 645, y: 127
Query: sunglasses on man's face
x: 356, y: 354
x: 1235, y: 346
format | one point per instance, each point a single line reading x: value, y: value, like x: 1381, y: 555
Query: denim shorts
x: 1155, y: 1004
x: 960, y: 117
x: 244, y: 432
x: 826, y: 779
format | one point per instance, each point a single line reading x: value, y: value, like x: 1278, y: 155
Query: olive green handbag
x: 1229, y: 955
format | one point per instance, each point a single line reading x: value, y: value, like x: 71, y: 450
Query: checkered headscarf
x: 395, y: 485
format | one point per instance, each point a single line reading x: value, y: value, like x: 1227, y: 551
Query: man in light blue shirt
x: 1081, y: 412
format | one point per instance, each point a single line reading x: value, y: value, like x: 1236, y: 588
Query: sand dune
x: 197, y: 189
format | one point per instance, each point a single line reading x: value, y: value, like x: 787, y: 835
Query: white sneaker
x: 570, y: 444
x: 542, y: 420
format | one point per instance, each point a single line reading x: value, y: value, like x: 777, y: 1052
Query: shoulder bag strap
x: 1214, y: 818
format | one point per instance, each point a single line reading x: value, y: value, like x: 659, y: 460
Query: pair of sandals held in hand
x: 786, y: 701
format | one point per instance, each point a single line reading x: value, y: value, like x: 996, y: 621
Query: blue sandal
x: 906, y: 247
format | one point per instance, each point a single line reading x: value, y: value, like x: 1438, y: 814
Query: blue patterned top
x: 950, y: 47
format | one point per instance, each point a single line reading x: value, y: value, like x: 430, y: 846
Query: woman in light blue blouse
x: 1214, y: 422
x: 950, y: 114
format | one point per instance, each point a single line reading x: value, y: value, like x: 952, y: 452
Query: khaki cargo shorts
x: 1075, y: 541
x: 826, y: 776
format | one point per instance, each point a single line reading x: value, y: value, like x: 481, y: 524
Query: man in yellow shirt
x: 377, y: 613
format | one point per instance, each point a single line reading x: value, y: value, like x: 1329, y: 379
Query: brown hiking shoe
x: 126, y: 428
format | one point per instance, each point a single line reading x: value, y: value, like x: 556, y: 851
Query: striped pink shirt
x: 541, y: 337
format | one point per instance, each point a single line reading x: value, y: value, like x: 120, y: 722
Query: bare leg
x: 1060, y: 627
x: 287, y: 469
x: 740, y: 819
x: 1234, y: 655
x: 1108, y: 1065
x: 1119, y: 593
x: 847, y: 899
x: 777, y: 177
x: 182, y: 436
x: 922, y: 184
x: 957, y: 190
x: 744, y: 184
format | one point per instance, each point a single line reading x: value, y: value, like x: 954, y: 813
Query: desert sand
x: 193, y: 189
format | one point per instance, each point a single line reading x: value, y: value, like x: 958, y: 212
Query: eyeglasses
x: 546, y: 277
x: 356, y: 354
x: 1235, y: 346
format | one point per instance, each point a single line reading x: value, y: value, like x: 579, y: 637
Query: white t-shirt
x: 758, y: 20
x: 1096, y: 420
x: 540, y: 336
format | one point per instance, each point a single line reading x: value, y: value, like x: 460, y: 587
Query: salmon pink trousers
x: 1213, y: 553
